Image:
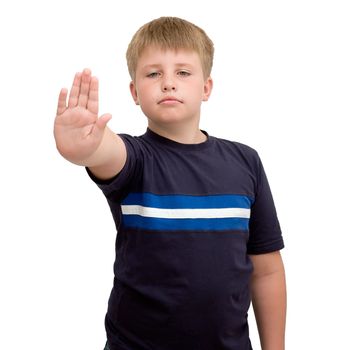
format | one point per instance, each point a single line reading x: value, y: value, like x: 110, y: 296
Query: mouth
x: 169, y: 100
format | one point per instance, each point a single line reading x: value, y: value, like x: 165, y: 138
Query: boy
x: 198, y: 235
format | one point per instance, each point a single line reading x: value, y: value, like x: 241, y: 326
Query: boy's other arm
x: 268, y: 286
x: 81, y: 136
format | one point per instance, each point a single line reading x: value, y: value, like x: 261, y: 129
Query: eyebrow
x: 155, y: 66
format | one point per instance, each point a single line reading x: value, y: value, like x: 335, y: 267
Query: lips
x: 169, y: 100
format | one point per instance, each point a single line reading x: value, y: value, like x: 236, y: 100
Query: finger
x: 92, y: 104
x: 84, y: 88
x: 62, y: 100
x: 74, y: 92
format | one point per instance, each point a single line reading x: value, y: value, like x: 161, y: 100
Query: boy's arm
x: 268, y: 288
x: 81, y: 136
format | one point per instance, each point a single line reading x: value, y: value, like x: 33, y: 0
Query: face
x: 169, y: 86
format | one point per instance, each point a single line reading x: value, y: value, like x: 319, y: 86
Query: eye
x: 183, y: 73
x: 153, y: 75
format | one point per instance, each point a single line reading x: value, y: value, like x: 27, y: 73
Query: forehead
x: 153, y: 55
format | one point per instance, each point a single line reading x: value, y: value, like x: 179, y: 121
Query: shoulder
x: 129, y: 138
x: 133, y: 143
x: 241, y: 146
x: 242, y: 150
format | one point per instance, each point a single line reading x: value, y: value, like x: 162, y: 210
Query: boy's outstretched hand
x: 78, y: 130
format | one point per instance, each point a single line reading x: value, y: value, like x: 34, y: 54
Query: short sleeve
x: 117, y: 187
x: 265, y: 234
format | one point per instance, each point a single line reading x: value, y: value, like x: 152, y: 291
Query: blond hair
x: 171, y: 33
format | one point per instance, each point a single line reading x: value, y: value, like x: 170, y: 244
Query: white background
x: 282, y: 85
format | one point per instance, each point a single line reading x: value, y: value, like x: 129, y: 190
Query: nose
x: 168, y: 84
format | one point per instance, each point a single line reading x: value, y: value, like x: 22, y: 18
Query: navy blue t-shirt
x: 187, y: 216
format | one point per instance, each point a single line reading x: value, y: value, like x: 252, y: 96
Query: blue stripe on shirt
x: 136, y: 221
x: 187, y: 201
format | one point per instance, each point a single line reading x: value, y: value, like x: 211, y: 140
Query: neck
x: 183, y: 134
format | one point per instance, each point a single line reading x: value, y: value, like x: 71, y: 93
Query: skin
x: 269, y: 299
x: 169, y: 86
x: 81, y: 136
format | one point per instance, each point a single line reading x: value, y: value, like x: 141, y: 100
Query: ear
x: 133, y: 91
x: 208, y: 87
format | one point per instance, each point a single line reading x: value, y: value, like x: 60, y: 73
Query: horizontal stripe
x: 136, y: 221
x: 187, y: 201
x: 216, y: 213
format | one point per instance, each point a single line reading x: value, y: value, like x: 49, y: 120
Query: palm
x: 78, y: 130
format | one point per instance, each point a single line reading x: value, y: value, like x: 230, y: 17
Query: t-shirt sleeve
x: 265, y: 234
x: 117, y: 187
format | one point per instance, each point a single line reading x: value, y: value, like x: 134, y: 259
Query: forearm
x: 269, y: 303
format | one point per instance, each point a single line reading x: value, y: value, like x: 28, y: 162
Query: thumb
x: 100, y: 125
x: 102, y: 121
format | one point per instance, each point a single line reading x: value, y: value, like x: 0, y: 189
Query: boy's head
x: 171, y: 33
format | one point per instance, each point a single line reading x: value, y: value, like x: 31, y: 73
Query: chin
x: 167, y: 119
